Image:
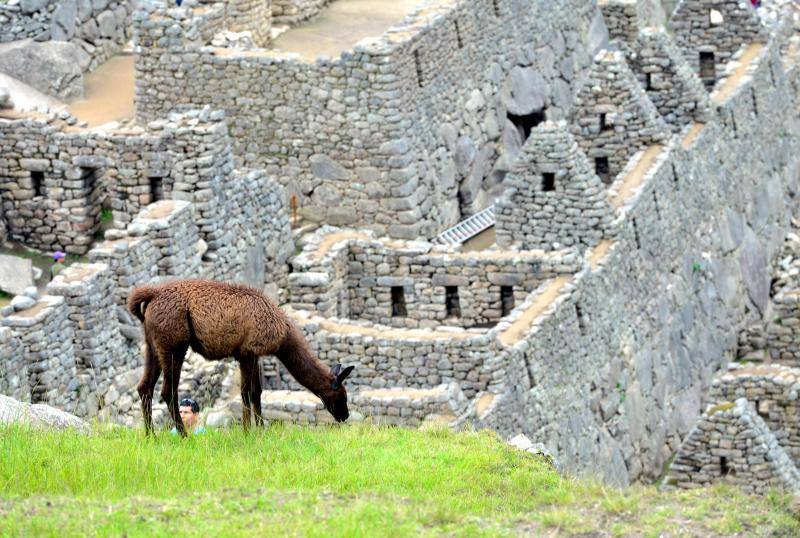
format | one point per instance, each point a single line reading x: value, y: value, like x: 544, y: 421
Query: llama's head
x: 335, y: 400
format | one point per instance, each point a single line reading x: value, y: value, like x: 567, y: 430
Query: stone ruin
x: 638, y: 216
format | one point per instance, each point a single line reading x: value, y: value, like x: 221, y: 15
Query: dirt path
x: 341, y: 25
x: 517, y: 330
x: 733, y: 81
x: 634, y: 179
x: 108, y: 93
x: 388, y: 332
x: 599, y: 252
x: 692, y: 135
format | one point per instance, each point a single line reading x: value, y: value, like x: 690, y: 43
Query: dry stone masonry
x: 94, y: 29
x: 555, y: 199
x: 638, y: 223
x: 360, y: 138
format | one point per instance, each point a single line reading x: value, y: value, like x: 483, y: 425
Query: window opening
x: 506, y: 299
x: 451, y: 302
x: 398, y: 301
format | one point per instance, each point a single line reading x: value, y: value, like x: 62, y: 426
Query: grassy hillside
x: 335, y: 481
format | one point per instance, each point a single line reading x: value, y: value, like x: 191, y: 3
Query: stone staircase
x: 467, y: 228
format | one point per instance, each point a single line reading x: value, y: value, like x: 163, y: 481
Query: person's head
x: 59, y: 256
x: 190, y: 412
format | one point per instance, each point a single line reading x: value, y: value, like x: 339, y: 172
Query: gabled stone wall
x: 403, y: 135
x: 716, y: 27
x: 555, y: 199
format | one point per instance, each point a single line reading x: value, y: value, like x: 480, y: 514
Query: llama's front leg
x: 150, y: 375
x: 171, y: 363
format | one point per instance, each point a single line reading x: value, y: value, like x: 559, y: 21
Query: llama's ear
x: 342, y: 376
x: 336, y: 369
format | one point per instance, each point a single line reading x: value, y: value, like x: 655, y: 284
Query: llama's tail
x: 139, y: 298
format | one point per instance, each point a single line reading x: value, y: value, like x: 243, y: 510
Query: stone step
x: 400, y: 406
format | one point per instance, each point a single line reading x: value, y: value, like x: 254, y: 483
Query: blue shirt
x: 198, y: 429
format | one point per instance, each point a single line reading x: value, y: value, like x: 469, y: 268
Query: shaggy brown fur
x: 217, y: 321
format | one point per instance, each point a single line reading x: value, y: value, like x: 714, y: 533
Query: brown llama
x: 217, y: 321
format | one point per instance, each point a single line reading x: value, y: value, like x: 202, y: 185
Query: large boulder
x: 24, y: 97
x: 53, y: 68
x: 524, y: 91
x: 39, y: 416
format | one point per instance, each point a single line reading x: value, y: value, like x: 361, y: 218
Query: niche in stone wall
x: 602, y: 169
x: 724, y: 467
x: 708, y: 69
x: 506, y: 299
x: 648, y: 81
x: 604, y: 125
x: 156, y: 189
x: 548, y: 181
x: 451, y: 302
x: 37, y: 182
x: 398, y: 301
x: 526, y: 122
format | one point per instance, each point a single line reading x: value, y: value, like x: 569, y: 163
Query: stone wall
x: 717, y: 28
x: 295, y: 11
x: 362, y: 139
x: 554, y: 198
x: 98, y: 28
x: 405, y: 284
x: 46, y: 337
x: 254, y: 16
x: 614, y: 118
x: 54, y: 178
x: 51, y: 185
x: 619, y: 370
x: 732, y: 444
x: 772, y: 390
x: 14, y: 376
x: 658, y: 63
x: 610, y: 367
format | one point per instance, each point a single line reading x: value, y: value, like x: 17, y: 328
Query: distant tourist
x: 190, y: 414
x: 178, y: 2
x: 756, y: 3
x: 59, y: 265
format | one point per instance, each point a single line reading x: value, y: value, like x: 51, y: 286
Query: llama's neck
x: 302, y: 363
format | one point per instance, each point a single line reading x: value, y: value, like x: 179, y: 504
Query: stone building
x: 613, y: 116
x: 555, y: 199
x: 596, y: 321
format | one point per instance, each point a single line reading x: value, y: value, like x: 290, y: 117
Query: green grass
x: 357, y: 480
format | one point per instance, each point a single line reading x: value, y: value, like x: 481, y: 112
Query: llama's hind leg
x: 171, y: 362
x: 247, y: 371
x: 255, y: 391
x: 150, y: 375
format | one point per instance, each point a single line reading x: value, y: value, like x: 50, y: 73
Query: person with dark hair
x: 58, y: 263
x: 190, y: 414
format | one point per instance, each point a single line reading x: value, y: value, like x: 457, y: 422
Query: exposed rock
x: 524, y: 91
x: 52, y: 68
x: 39, y: 416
